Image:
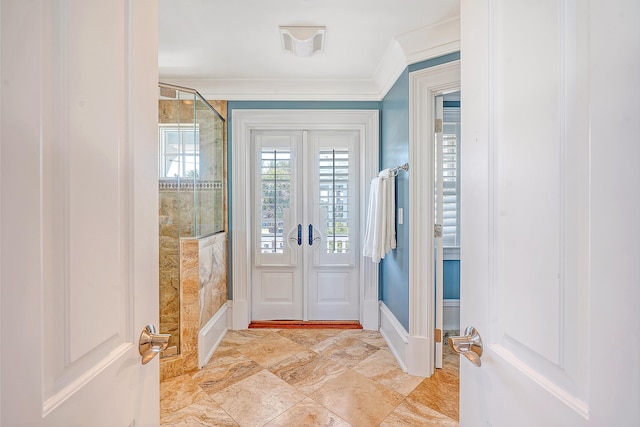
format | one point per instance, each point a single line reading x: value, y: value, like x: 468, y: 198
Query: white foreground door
x: 79, y: 212
x: 550, y: 230
x: 306, y: 228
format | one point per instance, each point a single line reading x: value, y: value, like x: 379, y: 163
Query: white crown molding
x: 391, y: 66
x: 431, y: 41
x: 281, y: 90
x: 408, y: 48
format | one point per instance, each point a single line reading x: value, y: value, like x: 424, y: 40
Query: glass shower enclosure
x: 191, y: 167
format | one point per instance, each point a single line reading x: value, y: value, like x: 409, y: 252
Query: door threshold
x: 309, y: 324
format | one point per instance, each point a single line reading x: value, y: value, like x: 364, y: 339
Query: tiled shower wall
x: 192, y: 300
x: 212, y: 264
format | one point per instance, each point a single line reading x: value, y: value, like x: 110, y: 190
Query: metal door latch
x: 469, y: 345
x: 151, y: 343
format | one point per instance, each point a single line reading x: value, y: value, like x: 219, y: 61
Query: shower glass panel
x: 192, y: 198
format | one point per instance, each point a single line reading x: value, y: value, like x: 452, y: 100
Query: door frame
x: 424, y: 85
x: 242, y: 124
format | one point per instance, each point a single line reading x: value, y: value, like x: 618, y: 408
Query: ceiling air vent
x: 302, y: 41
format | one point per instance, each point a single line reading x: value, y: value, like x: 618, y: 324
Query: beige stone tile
x: 357, y: 399
x: 375, y: 339
x: 307, y: 371
x: 203, y: 412
x: 225, y: 369
x: 450, y: 359
x: 383, y: 368
x: 257, y: 399
x: 345, y: 349
x: 411, y: 413
x: 440, y: 393
x: 239, y: 390
x: 308, y: 414
x: 171, y: 367
x: 179, y: 392
x: 189, y: 304
x: 235, y: 339
x: 270, y: 348
x: 362, y: 334
x: 213, y: 275
x: 308, y: 337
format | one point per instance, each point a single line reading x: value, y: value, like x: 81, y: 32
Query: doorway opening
x: 447, y: 150
x: 361, y: 127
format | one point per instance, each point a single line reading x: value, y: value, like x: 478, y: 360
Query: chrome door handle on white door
x: 299, y: 238
x: 312, y: 239
x: 469, y: 345
x: 151, y: 343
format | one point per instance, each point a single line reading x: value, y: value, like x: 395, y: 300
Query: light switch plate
x: 400, y: 216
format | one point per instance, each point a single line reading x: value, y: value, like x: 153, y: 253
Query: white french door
x: 305, y: 239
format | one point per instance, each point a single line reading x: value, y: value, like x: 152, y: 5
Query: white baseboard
x: 371, y: 315
x: 451, y: 314
x: 413, y: 353
x: 239, y: 314
x: 211, y: 335
x: 395, y: 335
x: 420, y: 356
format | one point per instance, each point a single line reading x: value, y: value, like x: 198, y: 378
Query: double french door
x: 305, y: 234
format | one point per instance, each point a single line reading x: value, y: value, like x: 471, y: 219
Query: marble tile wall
x: 172, y: 207
x: 213, y: 275
x: 179, y: 206
x: 203, y: 291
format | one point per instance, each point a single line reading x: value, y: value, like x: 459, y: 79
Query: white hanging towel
x: 380, y: 233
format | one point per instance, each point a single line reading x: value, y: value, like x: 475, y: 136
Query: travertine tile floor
x: 309, y: 377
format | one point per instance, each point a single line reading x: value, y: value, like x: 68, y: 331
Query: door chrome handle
x: 469, y: 345
x: 311, y: 238
x: 151, y: 343
x: 297, y: 239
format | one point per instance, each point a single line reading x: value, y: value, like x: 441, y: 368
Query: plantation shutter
x: 450, y: 181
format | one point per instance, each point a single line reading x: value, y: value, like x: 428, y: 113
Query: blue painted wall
x: 394, y: 150
x: 451, y: 279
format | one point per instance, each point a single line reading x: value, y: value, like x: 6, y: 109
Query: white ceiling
x: 230, y: 49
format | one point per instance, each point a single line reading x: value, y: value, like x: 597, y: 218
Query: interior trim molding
x: 395, y: 335
x: 419, y: 45
x: 424, y: 85
x: 243, y: 123
x: 211, y: 334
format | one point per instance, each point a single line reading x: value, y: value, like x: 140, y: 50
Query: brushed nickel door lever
x: 469, y: 345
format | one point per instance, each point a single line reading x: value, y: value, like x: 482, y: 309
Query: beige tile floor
x: 309, y: 377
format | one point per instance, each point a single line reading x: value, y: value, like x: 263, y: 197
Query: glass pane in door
x: 275, y: 198
x: 334, y: 198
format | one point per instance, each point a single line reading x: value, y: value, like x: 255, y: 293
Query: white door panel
x: 530, y: 219
x: 82, y: 105
x: 333, y: 204
x: 277, y: 191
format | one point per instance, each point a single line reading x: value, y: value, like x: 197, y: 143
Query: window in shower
x: 179, y: 151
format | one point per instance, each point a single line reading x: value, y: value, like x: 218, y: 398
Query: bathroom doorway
x: 447, y: 150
